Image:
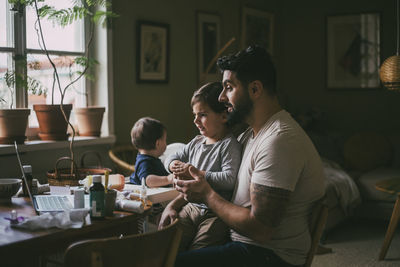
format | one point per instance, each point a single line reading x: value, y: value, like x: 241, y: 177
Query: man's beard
x: 242, y: 110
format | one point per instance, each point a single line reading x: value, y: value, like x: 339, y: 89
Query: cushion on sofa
x: 366, y: 184
x: 366, y: 151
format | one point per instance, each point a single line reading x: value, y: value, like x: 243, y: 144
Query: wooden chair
x: 318, y: 218
x: 153, y: 249
x: 124, y: 157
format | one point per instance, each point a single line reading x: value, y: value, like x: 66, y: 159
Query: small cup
x: 109, y: 199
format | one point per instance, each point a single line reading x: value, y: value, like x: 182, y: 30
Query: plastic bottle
x: 115, y: 181
x: 143, y: 192
x: 96, y: 196
x: 29, y: 178
x: 143, y: 198
x: 79, y: 198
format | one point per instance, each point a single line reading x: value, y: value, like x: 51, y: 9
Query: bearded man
x: 279, y: 180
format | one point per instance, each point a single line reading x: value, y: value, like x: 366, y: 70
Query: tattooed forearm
x: 268, y: 203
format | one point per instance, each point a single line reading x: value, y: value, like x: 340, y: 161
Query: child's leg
x: 188, y: 221
x: 211, y: 231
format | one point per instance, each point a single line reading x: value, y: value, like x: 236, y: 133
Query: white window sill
x: 37, y: 145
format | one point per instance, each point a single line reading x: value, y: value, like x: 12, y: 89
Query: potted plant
x: 80, y: 9
x: 53, y: 118
x: 14, y: 121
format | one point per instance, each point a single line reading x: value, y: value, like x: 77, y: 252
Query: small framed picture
x: 257, y: 29
x: 152, y: 52
x: 353, y: 51
x: 208, y: 43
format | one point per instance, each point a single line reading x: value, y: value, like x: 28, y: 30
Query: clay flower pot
x: 89, y: 120
x: 13, y: 124
x: 52, y: 124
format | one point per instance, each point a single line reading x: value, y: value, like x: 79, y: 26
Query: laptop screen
x: 24, y: 178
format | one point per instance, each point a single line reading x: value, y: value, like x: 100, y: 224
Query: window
x: 21, y: 53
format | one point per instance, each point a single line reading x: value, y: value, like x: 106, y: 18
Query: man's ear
x: 255, y: 88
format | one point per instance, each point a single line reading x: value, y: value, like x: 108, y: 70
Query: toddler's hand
x: 183, y: 170
x: 176, y: 165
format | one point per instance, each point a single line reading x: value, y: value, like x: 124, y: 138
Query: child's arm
x: 179, y: 156
x: 157, y: 181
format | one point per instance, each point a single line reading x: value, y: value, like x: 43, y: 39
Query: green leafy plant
x: 64, y: 17
x: 34, y: 86
x: 14, y: 79
x: 90, y: 9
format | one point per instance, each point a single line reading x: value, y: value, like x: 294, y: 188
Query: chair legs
x: 394, y: 220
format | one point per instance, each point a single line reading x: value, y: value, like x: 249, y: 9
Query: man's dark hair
x: 253, y: 63
x: 146, y: 132
x: 208, y: 94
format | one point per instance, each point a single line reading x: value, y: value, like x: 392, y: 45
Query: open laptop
x: 47, y: 203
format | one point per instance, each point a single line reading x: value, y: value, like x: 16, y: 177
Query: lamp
x: 390, y: 69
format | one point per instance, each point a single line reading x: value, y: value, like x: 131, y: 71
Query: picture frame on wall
x: 208, y: 44
x: 152, y: 52
x: 257, y: 28
x: 353, y: 51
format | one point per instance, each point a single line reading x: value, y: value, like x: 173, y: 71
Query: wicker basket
x: 63, y: 176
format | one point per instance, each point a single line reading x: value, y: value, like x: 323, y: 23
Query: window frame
x: 19, y: 48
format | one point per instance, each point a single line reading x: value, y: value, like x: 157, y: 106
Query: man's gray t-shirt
x: 220, y: 161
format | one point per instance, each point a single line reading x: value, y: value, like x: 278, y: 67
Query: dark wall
x: 166, y: 102
x: 299, y: 53
x: 303, y: 63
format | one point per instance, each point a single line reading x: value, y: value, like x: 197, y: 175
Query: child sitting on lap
x: 217, y: 153
x: 149, y: 137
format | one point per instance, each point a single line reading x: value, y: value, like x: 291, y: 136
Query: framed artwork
x: 257, y: 28
x: 208, y: 44
x: 152, y: 52
x: 353, y: 51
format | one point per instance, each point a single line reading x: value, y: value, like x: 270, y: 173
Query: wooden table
x: 25, y: 248
x: 391, y: 186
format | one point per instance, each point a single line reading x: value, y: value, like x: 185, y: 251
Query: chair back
x: 153, y: 249
x: 124, y: 158
x: 318, y: 218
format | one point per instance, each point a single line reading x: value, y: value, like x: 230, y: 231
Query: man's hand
x: 167, y: 217
x: 195, y: 190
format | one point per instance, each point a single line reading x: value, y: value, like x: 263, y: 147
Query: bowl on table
x: 8, y: 188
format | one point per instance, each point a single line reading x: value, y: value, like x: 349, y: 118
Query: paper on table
x: 156, y: 194
x: 66, y: 219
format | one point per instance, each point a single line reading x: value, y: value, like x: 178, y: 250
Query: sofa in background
x: 367, y: 157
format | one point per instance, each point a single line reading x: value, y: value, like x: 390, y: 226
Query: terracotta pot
x: 89, y: 120
x: 13, y: 124
x: 52, y: 124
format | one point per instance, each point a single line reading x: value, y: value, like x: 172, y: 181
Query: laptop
x: 48, y: 203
